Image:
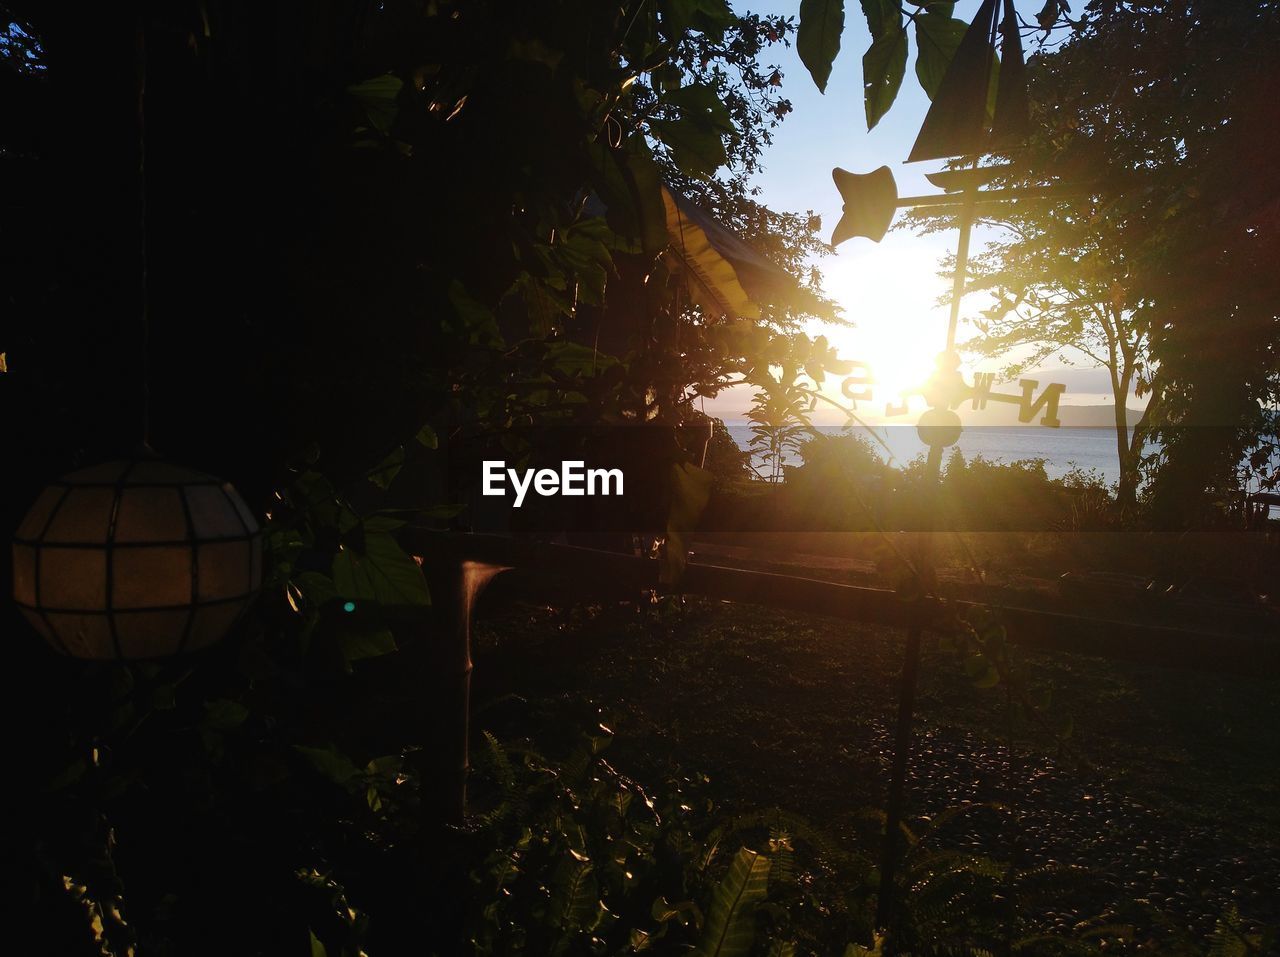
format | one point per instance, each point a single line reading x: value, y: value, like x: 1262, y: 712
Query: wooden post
x: 443, y: 670
x: 894, y: 840
x: 893, y: 843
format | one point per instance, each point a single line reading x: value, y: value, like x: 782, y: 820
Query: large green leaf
x: 696, y: 138
x: 701, y: 104
x: 367, y: 644
x: 330, y: 762
x: 882, y: 16
x: 583, y: 248
x: 473, y: 319
x: 696, y: 151
x: 574, y: 358
x: 379, y: 97
x: 630, y: 184
x: 222, y: 714
x: 818, y: 37
x: 883, y: 67
x: 384, y: 573
x: 731, y: 920
x: 427, y: 436
x: 706, y: 16
x: 644, y: 182
x: 385, y: 472
x: 937, y: 37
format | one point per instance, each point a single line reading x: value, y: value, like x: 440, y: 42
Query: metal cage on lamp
x: 136, y: 559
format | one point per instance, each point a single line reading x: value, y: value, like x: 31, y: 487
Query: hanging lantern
x: 136, y: 559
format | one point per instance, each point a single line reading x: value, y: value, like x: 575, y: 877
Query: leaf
x: 367, y: 644
x: 706, y: 16
x: 583, y: 249
x: 818, y: 37
x: 315, y: 587
x: 1048, y: 14
x: 630, y: 184
x: 382, y: 523
x: 427, y: 437
x: 333, y: 764
x: 378, y: 97
x: 385, y: 472
x: 875, y: 950
x: 697, y: 152
x: 882, y: 16
x: 385, y: 573
x: 685, y: 912
x: 473, y: 318
x: 544, y: 307
x: 575, y: 898
x: 701, y: 104
x: 730, y: 926
x: 937, y: 38
x: 696, y: 138
x: 883, y: 67
x: 574, y: 358
x: 317, y: 948
x: 222, y: 714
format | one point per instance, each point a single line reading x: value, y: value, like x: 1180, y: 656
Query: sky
x: 890, y: 290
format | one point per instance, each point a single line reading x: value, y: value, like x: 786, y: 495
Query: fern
x: 798, y: 829
x: 1229, y: 939
x: 782, y: 874
x: 503, y: 771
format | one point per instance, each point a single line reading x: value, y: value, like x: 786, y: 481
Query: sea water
x: 1063, y: 449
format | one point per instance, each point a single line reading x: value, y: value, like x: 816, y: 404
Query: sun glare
x: 898, y: 368
x: 898, y: 325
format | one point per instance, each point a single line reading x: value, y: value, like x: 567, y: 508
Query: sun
x: 898, y: 369
x: 891, y: 294
x: 899, y: 364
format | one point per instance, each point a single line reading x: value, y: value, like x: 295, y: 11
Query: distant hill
x: 1095, y: 380
x: 1073, y: 416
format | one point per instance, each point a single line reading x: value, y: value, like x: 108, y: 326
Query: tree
x: 1209, y: 242
x: 1158, y: 270
x: 1061, y: 287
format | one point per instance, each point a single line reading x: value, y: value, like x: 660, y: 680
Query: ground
x: 1169, y: 790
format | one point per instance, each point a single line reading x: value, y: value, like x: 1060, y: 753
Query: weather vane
x: 956, y: 127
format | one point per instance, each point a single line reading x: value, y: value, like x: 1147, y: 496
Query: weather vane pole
x: 956, y: 126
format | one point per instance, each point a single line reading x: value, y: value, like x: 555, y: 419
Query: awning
x: 728, y: 277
